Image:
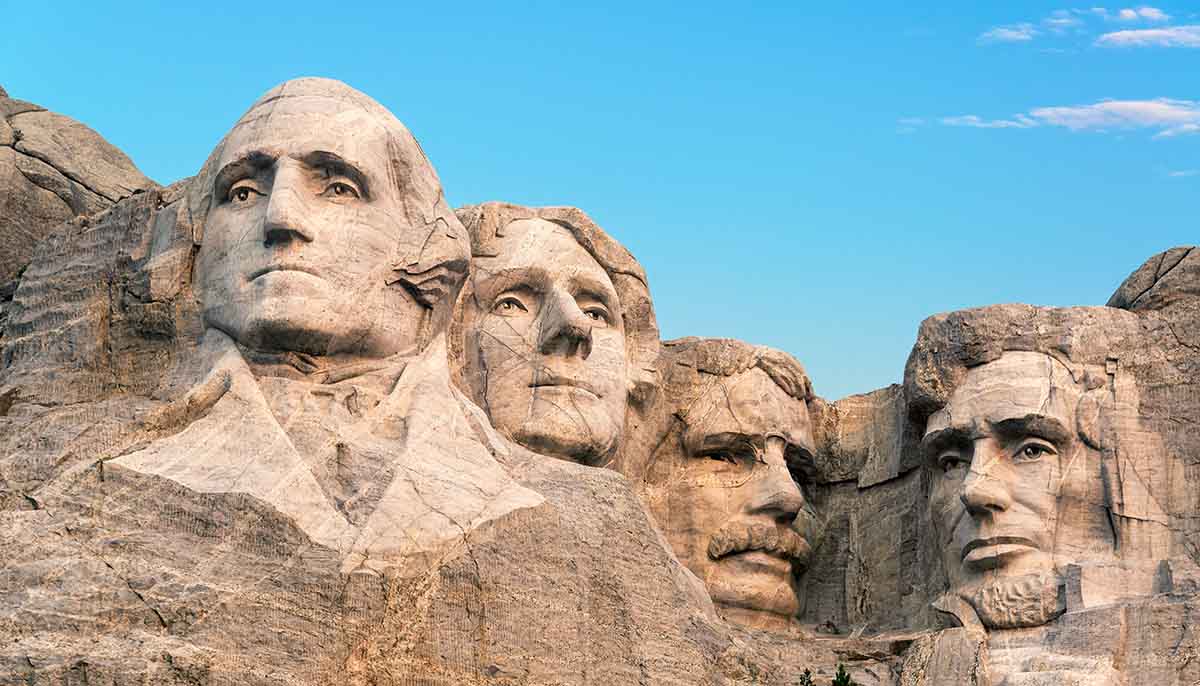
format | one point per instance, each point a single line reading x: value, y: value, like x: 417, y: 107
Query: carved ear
x: 437, y: 266
x: 431, y: 286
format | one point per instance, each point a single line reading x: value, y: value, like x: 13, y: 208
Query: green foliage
x: 842, y: 678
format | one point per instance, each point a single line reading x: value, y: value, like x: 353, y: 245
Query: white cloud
x: 1180, y: 130
x: 1129, y: 14
x: 1167, y: 116
x: 1013, y: 33
x: 1161, y: 113
x: 1064, y: 21
x: 975, y: 122
x: 1153, y: 14
x: 1182, y: 173
x: 1167, y: 37
x: 1060, y: 21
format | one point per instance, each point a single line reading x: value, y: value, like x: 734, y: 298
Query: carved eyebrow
x: 335, y: 165
x: 727, y: 439
x: 1048, y: 428
x: 492, y: 282
x: 587, y: 284
x: 944, y: 438
x: 250, y: 164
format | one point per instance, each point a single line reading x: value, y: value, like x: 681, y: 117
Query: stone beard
x: 545, y: 343
x: 725, y: 482
x: 1007, y: 460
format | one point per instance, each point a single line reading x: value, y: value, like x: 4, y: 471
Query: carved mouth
x: 995, y: 548
x: 557, y: 381
x: 285, y: 267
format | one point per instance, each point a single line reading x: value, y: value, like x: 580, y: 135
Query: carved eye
x: 596, y: 314
x: 1033, y: 451
x: 509, y: 306
x: 341, y: 190
x: 951, y: 462
x: 243, y: 191
x: 723, y: 456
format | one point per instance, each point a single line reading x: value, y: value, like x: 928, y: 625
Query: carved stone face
x: 1004, y: 450
x: 298, y: 243
x: 547, y: 343
x: 732, y: 507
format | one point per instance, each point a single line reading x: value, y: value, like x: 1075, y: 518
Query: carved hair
x: 484, y: 223
x: 730, y: 357
x: 436, y: 269
x: 683, y: 366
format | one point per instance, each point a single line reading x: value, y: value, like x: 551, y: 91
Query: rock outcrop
x: 52, y: 169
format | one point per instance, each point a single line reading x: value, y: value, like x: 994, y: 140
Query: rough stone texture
x: 186, y: 500
x: 52, y: 168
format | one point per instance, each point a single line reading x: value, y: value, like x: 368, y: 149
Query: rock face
x: 207, y: 482
x: 296, y: 421
x: 52, y: 168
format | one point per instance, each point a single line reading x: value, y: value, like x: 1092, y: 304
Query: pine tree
x: 842, y: 678
x: 805, y: 678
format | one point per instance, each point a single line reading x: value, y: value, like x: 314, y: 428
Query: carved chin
x: 570, y: 442
x: 770, y: 600
x: 1019, y: 601
x: 579, y: 429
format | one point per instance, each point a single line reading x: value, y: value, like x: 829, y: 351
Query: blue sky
x: 817, y: 178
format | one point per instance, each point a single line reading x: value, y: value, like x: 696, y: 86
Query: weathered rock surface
x: 52, y: 168
x: 139, y: 549
x: 257, y: 461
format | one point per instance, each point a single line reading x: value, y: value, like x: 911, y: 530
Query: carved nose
x: 565, y: 329
x: 287, y: 219
x: 775, y: 492
x: 985, y: 490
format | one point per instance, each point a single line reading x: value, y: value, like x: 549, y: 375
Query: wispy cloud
x: 1072, y: 21
x: 1142, y: 14
x: 1166, y: 37
x: 1013, y: 33
x: 1161, y: 113
x: 1182, y: 173
x: 1019, y: 122
x: 1168, y: 117
x: 1128, y: 14
x: 1181, y: 130
x: 1062, y: 21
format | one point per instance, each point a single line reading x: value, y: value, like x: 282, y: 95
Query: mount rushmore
x: 296, y: 420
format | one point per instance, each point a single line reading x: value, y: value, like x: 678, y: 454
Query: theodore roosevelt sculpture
x: 729, y: 452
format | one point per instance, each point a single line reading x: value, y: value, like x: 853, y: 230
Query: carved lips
x: 285, y: 267
x: 565, y: 383
x: 991, y: 551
